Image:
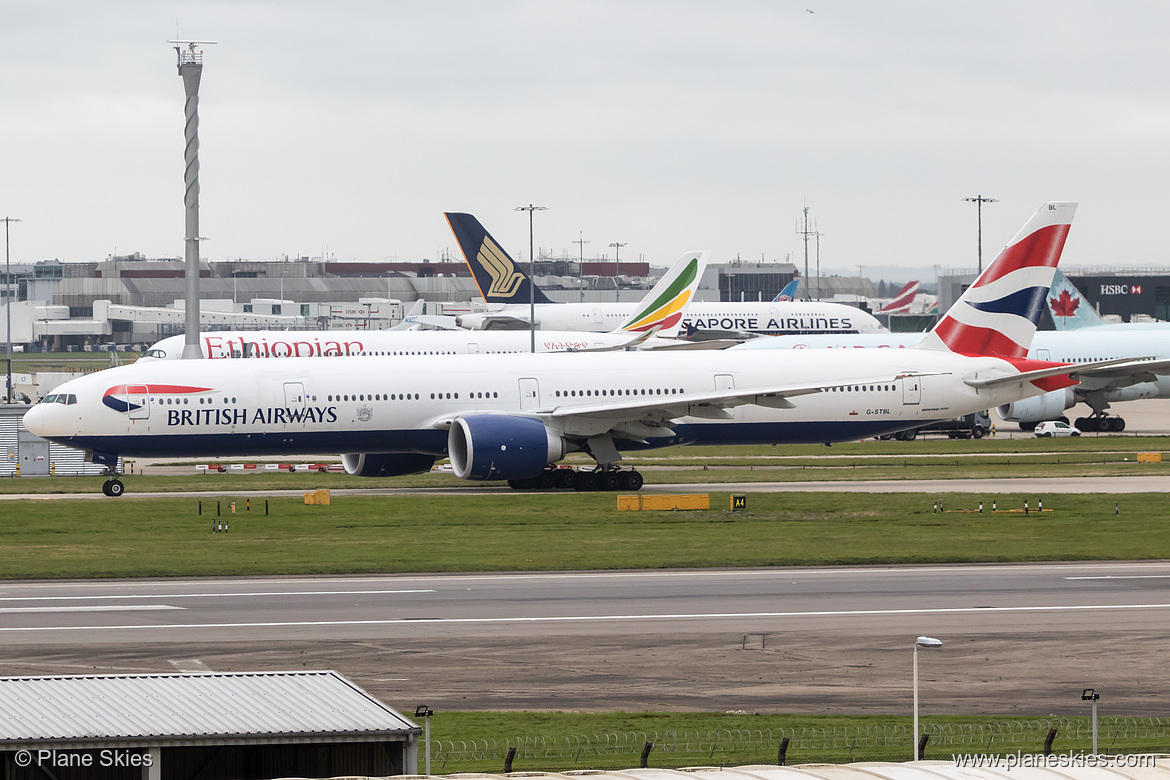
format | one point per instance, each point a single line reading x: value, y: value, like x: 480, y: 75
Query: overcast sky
x: 349, y: 127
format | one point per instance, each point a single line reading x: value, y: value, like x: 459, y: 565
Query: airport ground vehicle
x: 1053, y: 428
x: 967, y: 426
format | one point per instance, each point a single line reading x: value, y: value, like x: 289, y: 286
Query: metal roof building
x: 1156, y: 768
x: 200, y: 725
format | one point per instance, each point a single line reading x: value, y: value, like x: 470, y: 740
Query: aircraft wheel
x: 610, y: 480
x: 631, y: 480
x: 546, y: 480
x: 523, y: 483
x: 586, y: 481
x: 1082, y: 424
x: 1119, y: 424
x: 1027, y: 427
x: 566, y: 478
x: 1063, y: 419
x: 113, y: 488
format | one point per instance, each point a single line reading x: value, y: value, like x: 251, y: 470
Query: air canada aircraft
x: 654, y: 323
x: 510, y: 417
x: 503, y: 284
x: 1145, y: 374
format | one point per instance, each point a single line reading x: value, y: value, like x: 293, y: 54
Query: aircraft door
x: 598, y: 318
x: 138, y: 402
x: 294, y: 395
x: 473, y: 349
x: 529, y: 394
x: 1042, y: 354
x: 911, y: 390
x: 724, y: 382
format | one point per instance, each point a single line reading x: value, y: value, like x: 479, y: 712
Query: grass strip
x: 558, y: 532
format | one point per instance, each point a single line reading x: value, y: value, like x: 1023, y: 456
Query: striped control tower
x: 191, y: 68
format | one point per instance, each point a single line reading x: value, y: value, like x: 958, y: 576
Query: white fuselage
x: 770, y: 317
x: 406, y: 404
x: 318, y: 343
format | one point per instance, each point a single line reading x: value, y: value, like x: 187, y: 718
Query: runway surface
x: 1018, y: 639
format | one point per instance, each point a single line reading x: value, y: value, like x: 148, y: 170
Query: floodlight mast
x: 190, y: 69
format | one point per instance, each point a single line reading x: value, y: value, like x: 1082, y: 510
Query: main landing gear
x: 566, y: 478
x: 1101, y: 422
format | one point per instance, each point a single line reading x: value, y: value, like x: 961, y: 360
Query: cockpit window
x: 154, y: 353
x: 72, y: 399
x: 50, y: 398
x: 62, y: 399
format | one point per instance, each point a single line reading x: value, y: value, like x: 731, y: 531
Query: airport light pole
x: 1092, y: 695
x: 8, y: 308
x: 617, y: 270
x: 425, y: 712
x: 979, y: 200
x: 581, y: 242
x: 922, y: 641
x: 531, y: 273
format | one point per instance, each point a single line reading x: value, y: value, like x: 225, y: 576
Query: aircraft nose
x: 34, y: 420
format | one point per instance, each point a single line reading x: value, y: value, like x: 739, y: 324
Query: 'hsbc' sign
x: 1121, y: 289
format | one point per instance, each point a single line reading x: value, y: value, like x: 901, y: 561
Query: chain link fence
x: 800, y: 745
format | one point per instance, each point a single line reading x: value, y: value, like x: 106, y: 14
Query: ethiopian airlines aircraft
x: 511, y: 416
x: 502, y: 281
x: 651, y: 324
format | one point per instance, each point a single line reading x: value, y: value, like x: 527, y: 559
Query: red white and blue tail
x: 997, y: 315
x: 902, y: 301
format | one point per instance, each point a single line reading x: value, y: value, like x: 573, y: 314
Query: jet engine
x: 1038, y: 408
x: 499, y: 446
x: 392, y: 464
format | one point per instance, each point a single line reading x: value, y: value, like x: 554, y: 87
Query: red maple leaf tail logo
x: 1064, y: 305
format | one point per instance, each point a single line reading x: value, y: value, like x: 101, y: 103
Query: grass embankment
x: 565, y: 531
x: 478, y: 741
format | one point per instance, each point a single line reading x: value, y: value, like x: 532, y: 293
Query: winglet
x: 662, y: 308
x: 1068, y: 307
x: 998, y: 313
x: 498, y: 277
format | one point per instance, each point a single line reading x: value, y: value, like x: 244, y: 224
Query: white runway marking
x: 107, y: 608
x: 212, y: 595
x: 1124, y: 577
x: 599, y: 618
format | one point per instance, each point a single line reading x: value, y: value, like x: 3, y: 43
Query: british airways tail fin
x: 998, y: 313
x: 902, y: 301
x: 1069, y: 309
x: 662, y: 308
x: 499, y: 279
x: 788, y: 293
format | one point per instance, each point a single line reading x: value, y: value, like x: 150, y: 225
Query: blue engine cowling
x: 499, y: 446
x: 393, y: 464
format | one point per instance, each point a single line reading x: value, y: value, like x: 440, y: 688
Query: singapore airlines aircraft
x: 502, y: 281
x: 652, y: 324
x: 508, y: 417
x: 1145, y: 375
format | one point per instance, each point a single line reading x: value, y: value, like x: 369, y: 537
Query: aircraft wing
x: 690, y: 345
x: 701, y: 404
x: 440, y: 321
x: 1076, y: 371
x: 505, y: 322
